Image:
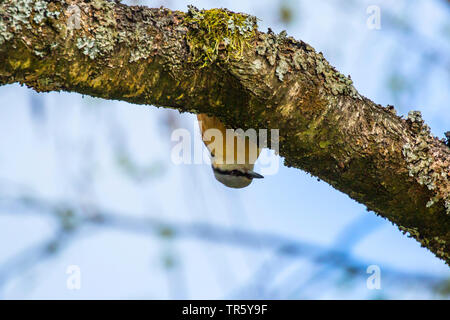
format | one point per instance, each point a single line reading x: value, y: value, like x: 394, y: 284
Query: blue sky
x: 61, y: 146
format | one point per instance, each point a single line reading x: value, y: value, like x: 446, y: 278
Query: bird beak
x: 255, y: 175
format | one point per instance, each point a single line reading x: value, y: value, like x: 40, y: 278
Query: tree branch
x: 217, y: 62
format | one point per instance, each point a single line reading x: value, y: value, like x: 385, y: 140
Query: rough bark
x: 217, y: 62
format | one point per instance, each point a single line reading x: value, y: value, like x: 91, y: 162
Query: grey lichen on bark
x: 218, y: 62
x: 428, y: 163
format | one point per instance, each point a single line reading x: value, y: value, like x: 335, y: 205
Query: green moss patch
x: 218, y: 33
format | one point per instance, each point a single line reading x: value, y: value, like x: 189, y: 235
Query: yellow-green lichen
x: 218, y: 31
x: 413, y: 232
x: 324, y: 144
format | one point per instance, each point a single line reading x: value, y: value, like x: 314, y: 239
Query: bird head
x: 235, y: 176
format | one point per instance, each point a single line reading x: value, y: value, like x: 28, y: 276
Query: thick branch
x: 247, y: 78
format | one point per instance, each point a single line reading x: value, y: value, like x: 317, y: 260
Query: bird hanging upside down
x: 233, y: 157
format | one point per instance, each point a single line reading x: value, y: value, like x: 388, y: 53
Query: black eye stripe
x: 235, y: 173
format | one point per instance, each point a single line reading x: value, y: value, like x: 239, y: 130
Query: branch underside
x: 195, y: 62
